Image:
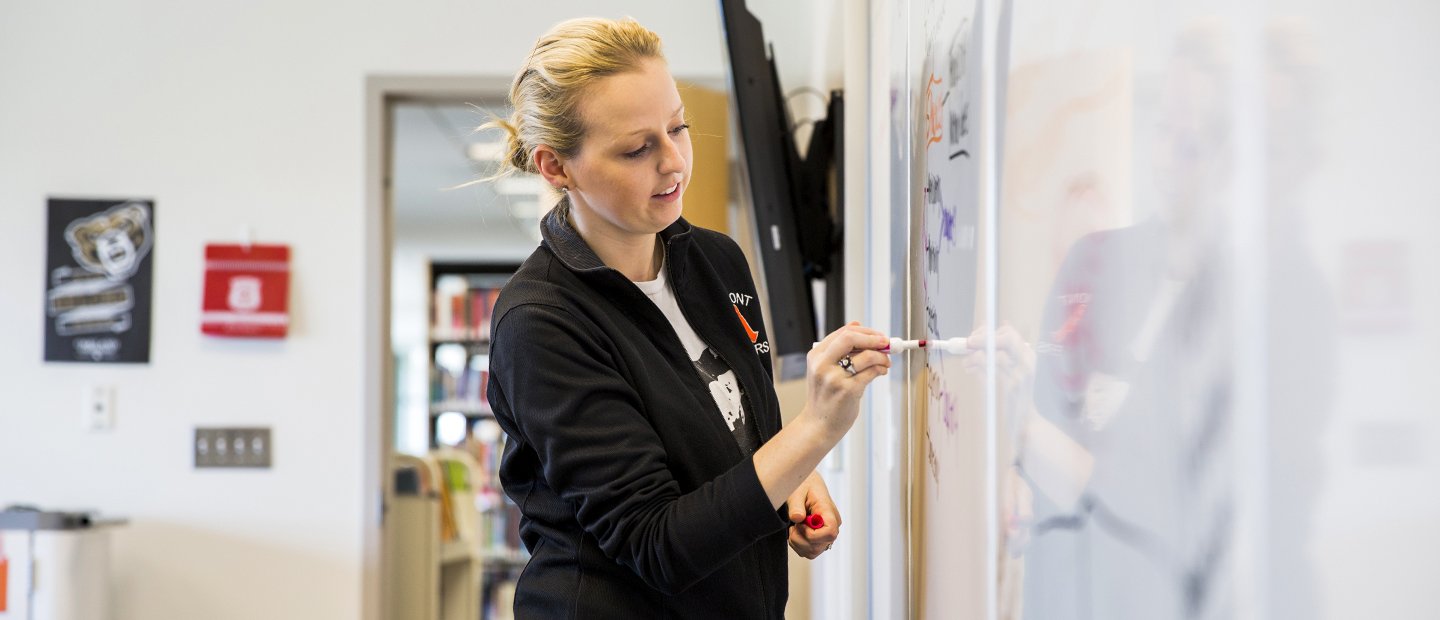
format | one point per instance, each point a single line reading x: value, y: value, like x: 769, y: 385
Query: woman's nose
x: 672, y: 161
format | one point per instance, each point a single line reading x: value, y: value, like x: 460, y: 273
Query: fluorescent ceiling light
x: 486, y: 152
x: 520, y: 185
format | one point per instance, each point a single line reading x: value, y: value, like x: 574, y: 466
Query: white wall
x: 228, y: 115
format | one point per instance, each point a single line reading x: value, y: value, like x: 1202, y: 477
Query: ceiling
x: 432, y: 215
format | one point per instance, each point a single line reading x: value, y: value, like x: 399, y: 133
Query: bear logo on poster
x: 97, y: 297
x: 112, y: 242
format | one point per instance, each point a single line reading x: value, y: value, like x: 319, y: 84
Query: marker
x: 815, y: 521
x: 949, y: 345
x: 956, y: 346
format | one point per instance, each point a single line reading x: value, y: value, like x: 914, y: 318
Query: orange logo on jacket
x: 749, y: 332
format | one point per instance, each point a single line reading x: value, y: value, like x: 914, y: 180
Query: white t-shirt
x: 724, y: 388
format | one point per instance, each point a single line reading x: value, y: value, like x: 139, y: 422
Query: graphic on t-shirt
x: 723, y: 387
x: 720, y: 380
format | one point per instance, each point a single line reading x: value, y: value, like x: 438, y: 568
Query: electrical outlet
x: 248, y: 447
x: 97, y: 412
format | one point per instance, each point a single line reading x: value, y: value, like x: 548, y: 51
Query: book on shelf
x: 466, y: 391
x: 458, y: 521
x: 463, y: 314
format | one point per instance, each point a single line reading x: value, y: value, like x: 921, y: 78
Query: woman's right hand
x: 833, y: 392
x: 832, y: 404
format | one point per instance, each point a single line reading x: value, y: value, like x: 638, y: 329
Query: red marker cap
x: 815, y: 521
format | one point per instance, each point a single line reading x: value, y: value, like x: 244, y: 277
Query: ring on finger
x: 829, y: 546
x: 847, y: 365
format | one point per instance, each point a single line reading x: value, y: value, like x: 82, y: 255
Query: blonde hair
x: 545, y: 96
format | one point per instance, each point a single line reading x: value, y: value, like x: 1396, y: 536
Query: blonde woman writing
x: 646, y: 452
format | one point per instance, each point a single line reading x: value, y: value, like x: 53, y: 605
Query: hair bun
x: 564, y: 62
x: 516, y: 155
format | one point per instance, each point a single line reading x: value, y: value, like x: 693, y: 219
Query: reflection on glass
x: 1118, y: 387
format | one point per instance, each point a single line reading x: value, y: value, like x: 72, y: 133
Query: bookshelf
x: 438, y: 564
x: 462, y: 297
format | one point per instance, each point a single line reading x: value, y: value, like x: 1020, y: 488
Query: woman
x: 645, y: 450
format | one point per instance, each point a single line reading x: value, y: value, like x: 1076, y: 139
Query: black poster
x: 97, y: 280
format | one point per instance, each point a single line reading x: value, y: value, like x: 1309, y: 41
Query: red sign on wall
x: 247, y: 291
x: 4, y: 576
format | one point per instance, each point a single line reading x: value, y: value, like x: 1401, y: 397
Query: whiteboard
x: 1203, y: 272
x: 1056, y: 475
x: 943, y: 163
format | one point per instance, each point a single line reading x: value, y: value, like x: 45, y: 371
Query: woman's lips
x: 670, y: 197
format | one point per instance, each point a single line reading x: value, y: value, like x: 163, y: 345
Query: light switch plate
x: 243, y: 447
x: 98, y: 408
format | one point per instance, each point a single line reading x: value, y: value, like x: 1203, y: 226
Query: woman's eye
x: 637, y: 153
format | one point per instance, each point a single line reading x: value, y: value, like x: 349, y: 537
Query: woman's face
x: 635, y: 159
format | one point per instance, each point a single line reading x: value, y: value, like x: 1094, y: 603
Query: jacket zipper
x: 757, y: 561
x: 744, y: 394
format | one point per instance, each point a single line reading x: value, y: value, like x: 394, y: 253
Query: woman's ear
x: 553, y: 167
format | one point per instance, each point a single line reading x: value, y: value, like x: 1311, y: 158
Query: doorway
x: 438, y: 250
x: 441, y: 245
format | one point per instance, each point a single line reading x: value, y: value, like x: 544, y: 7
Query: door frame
x: 382, y: 92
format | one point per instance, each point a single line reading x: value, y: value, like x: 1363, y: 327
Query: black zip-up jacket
x: 635, y: 499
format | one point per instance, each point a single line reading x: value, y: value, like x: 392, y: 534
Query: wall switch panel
x: 97, y: 412
x: 247, y: 447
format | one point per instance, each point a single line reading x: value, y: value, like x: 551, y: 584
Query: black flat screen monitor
x: 771, y: 163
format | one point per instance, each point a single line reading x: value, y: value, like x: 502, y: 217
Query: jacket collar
x: 571, y: 249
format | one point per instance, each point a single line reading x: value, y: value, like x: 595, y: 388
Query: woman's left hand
x: 813, y: 497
